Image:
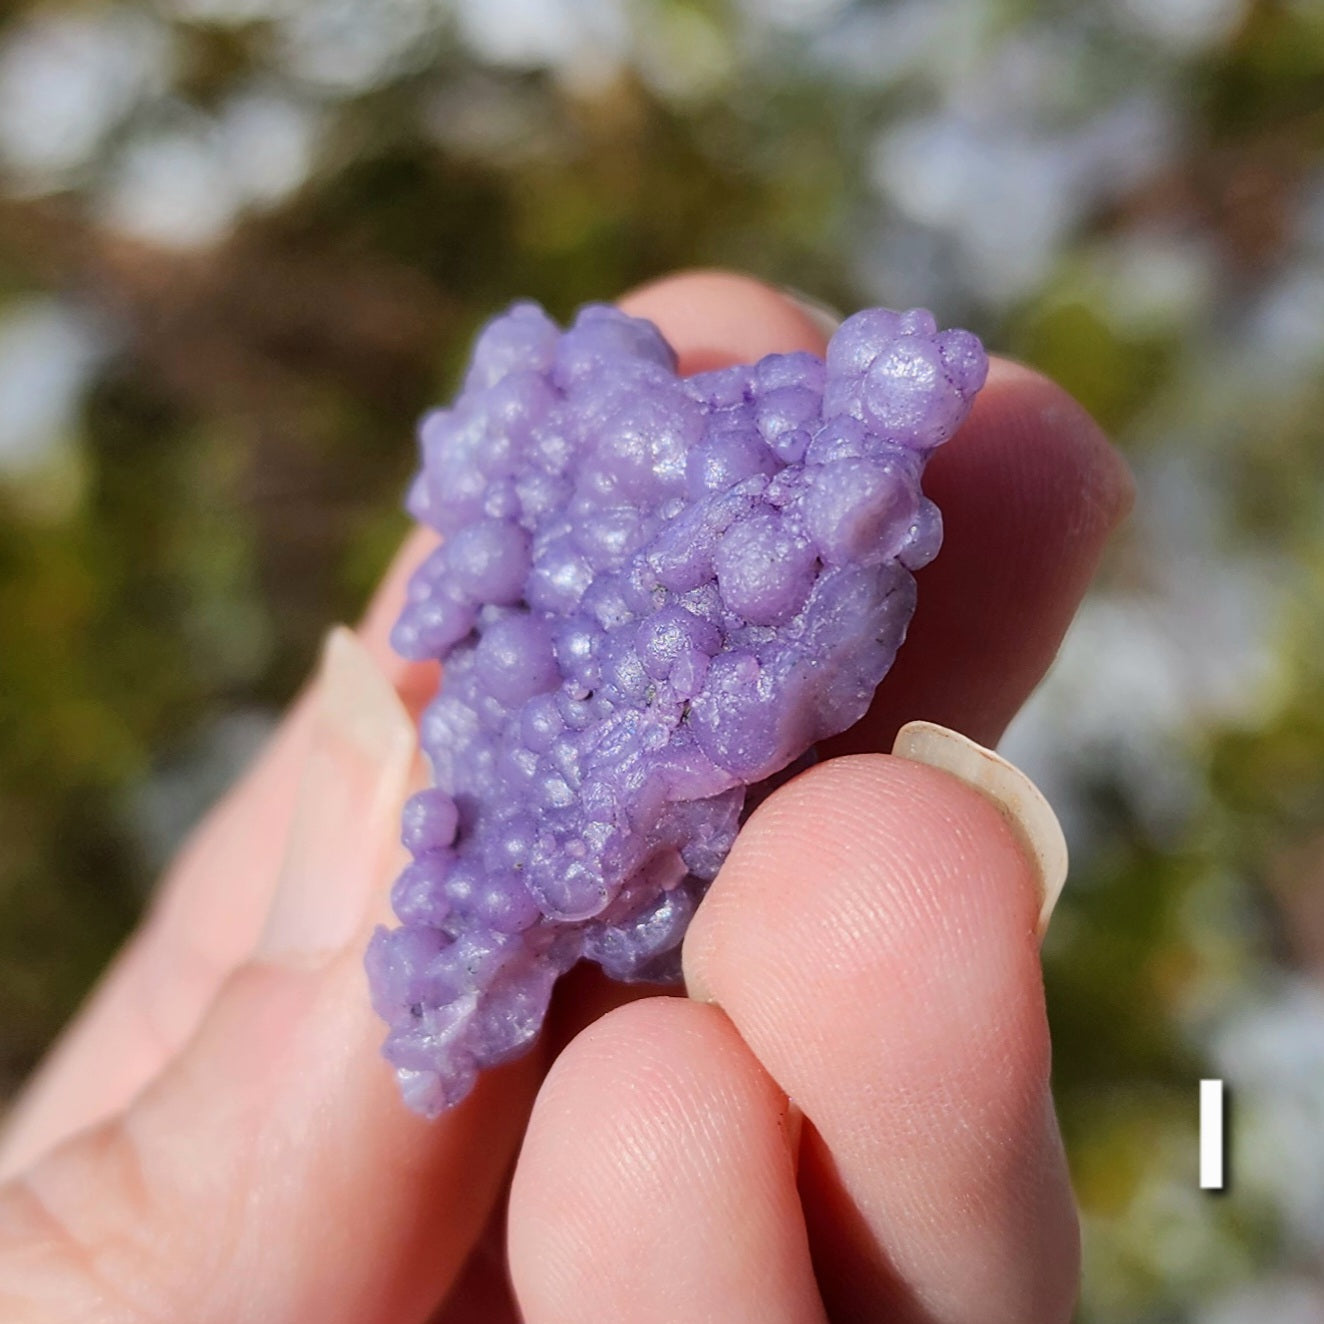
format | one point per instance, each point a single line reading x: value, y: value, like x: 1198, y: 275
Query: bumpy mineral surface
x: 653, y: 594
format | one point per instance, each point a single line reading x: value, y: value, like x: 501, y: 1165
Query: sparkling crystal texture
x: 653, y: 594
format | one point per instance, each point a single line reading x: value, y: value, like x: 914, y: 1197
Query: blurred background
x: 244, y: 243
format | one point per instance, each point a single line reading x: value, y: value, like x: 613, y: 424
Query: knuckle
x: 86, y: 1235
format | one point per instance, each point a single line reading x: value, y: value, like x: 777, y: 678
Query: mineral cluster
x: 653, y: 593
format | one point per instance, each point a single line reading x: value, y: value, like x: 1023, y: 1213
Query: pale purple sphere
x: 654, y: 594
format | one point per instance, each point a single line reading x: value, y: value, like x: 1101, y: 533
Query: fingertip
x: 1030, y: 490
x: 1019, y: 405
x: 876, y: 848
x: 655, y: 1181
x: 715, y: 318
x: 1008, y: 789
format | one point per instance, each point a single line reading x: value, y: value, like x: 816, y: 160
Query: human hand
x: 216, y: 1139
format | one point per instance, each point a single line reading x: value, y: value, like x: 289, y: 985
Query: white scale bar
x: 1211, y: 1135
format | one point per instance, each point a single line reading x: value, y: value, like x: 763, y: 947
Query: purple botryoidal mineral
x: 653, y: 593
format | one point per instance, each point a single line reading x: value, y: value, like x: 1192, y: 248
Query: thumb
x: 271, y: 1173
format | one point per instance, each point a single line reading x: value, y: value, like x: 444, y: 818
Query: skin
x: 215, y: 1139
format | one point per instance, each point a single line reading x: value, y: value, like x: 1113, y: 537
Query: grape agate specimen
x: 653, y: 594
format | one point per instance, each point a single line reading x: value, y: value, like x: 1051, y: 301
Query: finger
x: 656, y: 1180
x: 204, y: 920
x: 1030, y: 490
x: 714, y: 319
x: 270, y: 1172
x: 872, y: 936
x: 148, y: 1003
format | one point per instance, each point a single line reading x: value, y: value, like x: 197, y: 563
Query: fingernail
x: 345, y: 832
x: 1020, y: 802
x: 825, y: 317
